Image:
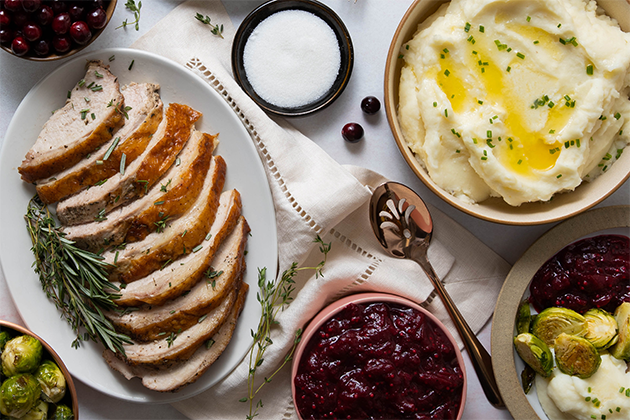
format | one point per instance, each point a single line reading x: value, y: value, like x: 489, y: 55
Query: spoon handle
x: 480, y: 358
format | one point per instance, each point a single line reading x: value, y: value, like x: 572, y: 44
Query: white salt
x: 292, y: 58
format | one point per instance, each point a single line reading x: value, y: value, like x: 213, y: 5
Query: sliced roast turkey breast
x: 181, y: 236
x: 166, y: 200
x: 180, y: 345
x: 149, y: 321
x: 180, y: 275
x: 136, y: 178
x: 179, y: 374
x: 143, y: 111
x: 88, y: 119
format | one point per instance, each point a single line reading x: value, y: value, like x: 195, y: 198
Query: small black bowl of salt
x: 292, y: 57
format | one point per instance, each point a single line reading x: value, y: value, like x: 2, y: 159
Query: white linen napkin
x: 314, y: 195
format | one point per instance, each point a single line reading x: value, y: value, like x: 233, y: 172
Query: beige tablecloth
x: 314, y: 195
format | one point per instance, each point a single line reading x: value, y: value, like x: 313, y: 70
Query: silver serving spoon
x: 403, y: 225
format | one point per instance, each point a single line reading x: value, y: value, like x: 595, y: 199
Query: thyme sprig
x: 215, y: 29
x: 131, y: 6
x: 274, y: 296
x: 74, y: 279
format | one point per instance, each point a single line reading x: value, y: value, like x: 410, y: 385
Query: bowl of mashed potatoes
x: 516, y: 112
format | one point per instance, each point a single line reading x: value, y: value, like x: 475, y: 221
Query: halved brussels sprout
x: 523, y: 317
x: 53, y: 383
x: 19, y: 394
x: 601, y: 328
x: 21, y: 354
x: 62, y: 412
x: 4, y: 338
x: 534, y: 352
x: 553, y: 321
x: 621, y: 350
x: 38, y: 412
x: 576, y: 356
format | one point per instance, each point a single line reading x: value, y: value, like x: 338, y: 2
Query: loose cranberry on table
x: 370, y: 105
x: 19, y: 46
x: 352, y: 132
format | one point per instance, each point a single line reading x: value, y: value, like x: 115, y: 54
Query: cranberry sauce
x: 379, y: 360
x: 590, y: 273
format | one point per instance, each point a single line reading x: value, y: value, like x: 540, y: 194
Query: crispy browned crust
x: 160, y: 288
x: 100, y: 135
x: 131, y: 148
x: 178, y: 200
x: 142, y: 325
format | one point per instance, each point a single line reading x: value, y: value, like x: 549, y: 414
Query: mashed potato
x: 516, y: 99
x: 569, y: 397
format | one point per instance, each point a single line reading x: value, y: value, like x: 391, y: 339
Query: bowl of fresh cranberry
x: 44, y: 30
x: 380, y: 356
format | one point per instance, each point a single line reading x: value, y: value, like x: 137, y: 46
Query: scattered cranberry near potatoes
x: 44, y: 28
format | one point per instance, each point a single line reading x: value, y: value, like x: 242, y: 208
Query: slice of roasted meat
x: 136, y: 179
x: 149, y: 321
x: 179, y: 374
x: 166, y: 200
x: 143, y: 111
x: 180, y: 275
x: 89, y: 118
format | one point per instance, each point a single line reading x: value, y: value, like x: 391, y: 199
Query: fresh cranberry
x: 42, y: 47
x: 6, y: 36
x: 62, y: 43
x: 76, y: 12
x: 97, y: 18
x: 5, y: 18
x: 352, y: 132
x: 19, y: 46
x: 59, y: 6
x: 13, y: 5
x: 61, y: 23
x: 44, y: 15
x: 590, y: 273
x: 31, y: 5
x: 32, y: 31
x: 370, y: 105
x: 80, y: 32
x: 20, y: 18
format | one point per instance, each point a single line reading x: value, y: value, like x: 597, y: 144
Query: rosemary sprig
x: 215, y: 29
x: 131, y: 6
x: 274, y: 296
x: 74, y: 279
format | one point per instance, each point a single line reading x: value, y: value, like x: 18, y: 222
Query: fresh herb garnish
x: 215, y: 29
x: 131, y: 6
x: 74, y: 279
x: 274, y: 296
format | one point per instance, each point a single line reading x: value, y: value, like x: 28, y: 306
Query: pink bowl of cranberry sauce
x: 375, y: 355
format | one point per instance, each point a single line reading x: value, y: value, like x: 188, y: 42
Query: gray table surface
x: 372, y: 24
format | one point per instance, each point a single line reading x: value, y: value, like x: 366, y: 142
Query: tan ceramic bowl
x: 496, y: 210
x: 363, y: 298
x: 70, y: 398
x: 109, y: 11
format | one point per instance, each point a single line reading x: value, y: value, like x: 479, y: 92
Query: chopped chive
x: 536, y: 42
x: 457, y: 151
x: 482, y: 29
x: 69, y: 93
x: 484, y: 158
x: 480, y: 102
x: 434, y: 104
x: 123, y: 160
x: 81, y: 82
x: 93, y: 115
x: 197, y: 248
x: 446, y: 72
x: 111, y: 148
x: 97, y: 74
x: 158, y: 203
x: 474, y: 140
x: 208, y: 236
x: 589, y: 69
x: 112, y: 58
x: 446, y: 113
x: 550, y: 104
x: 445, y: 50
x: 559, y: 25
x: 552, y: 131
x: 520, y: 55
x: 489, y: 134
x: 178, y: 161
x: 508, y: 69
x: 467, y: 27
x: 559, y: 176
x: 131, y: 65
x: 519, y: 161
x: 617, y: 115
x: 529, y: 18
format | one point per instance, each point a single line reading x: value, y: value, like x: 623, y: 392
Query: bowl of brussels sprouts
x: 34, y: 382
